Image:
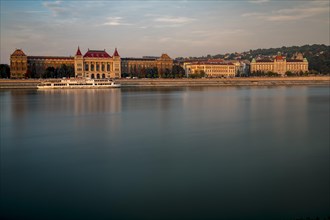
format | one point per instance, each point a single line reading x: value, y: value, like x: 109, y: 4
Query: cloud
x: 55, y: 6
x: 115, y: 21
x: 33, y: 12
x: 253, y: 14
x: 174, y: 20
x: 258, y: 1
x: 296, y: 13
x: 314, y: 8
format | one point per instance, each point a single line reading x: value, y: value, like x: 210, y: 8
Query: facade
x: 212, y: 68
x: 97, y: 64
x: 94, y: 64
x: 280, y: 64
x: 134, y: 66
x: 21, y: 64
x: 37, y: 65
x: 18, y: 64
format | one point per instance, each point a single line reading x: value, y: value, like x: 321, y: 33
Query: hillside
x: 318, y: 55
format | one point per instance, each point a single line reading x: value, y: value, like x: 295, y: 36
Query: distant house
x: 280, y: 64
x: 215, y: 67
x: 134, y: 66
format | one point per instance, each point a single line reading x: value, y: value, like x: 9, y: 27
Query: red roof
x: 18, y: 52
x: 279, y: 57
x: 116, y: 54
x: 78, y: 52
x: 97, y: 54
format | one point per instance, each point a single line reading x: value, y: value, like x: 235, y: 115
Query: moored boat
x: 78, y: 83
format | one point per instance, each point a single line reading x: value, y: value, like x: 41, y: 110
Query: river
x: 166, y: 153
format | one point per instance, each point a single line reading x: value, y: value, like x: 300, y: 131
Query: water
x: 165, y: 153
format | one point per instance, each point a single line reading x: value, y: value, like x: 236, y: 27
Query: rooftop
x: 97, y: 54
x: 18, y: 52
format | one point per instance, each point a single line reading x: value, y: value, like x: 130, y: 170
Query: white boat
x: 78, y: 83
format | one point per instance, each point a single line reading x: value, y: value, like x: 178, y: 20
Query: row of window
x: 97, y: 67
x: 19, y: 68
x: 220, y: 71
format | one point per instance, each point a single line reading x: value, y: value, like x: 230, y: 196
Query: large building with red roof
x: 280, y: 64
x: 97, y: 64
x: 93, y: 64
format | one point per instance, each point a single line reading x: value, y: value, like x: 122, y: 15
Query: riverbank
x: 250, y: 81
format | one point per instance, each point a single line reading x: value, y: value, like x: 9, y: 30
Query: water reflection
x: 165, y: 153
x: 83, y: 101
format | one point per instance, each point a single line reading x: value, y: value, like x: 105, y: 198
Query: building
x: 135, y: 66
x: 18, y: 64
x: 280, y: 64
x: 94, y: 64
x: 97, y: 64
x: 212, y: 68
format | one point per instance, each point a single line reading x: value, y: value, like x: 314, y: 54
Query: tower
x: 18, y: 64
x: 116, y: 64
x: 78, y: 64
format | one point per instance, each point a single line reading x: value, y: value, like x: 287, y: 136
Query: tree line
x: 318, y: 55
x: 176, y: 72
x: 4, y: 71
x: 52, y: 72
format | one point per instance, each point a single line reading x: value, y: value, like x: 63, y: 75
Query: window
x: 92, y: 67
x: 97, y: 67
x: 103, y: 67
x: 86, y: 67
x: 108, y: 67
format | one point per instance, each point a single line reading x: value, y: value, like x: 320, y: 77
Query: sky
x: 150, y: 28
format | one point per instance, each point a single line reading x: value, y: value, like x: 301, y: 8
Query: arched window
x: 86, y: 67
x: 92, y: 67
x: 108, y: 67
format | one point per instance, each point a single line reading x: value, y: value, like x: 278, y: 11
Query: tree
x: 289, y: 73
x: 4, y: 71
x: 142, y: 73
x: 49, y: 72
x: 152, y: 72
x: 197, y: 74
x: 167, y: 74
x: 70, y: 71
x: 178, y: 71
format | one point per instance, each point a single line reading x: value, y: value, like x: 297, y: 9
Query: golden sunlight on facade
x: 280, y: 64
x: 136, y: 65
x: 97, y: 64
x: 212, y: 68
x: 94, y: 64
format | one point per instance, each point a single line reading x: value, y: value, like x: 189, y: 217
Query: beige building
x: 212, y: 68
x: 134, y: 66
x: 280, y: 64
x: 97, y: 64
x: 18, y: 64
x: 94, y: 64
